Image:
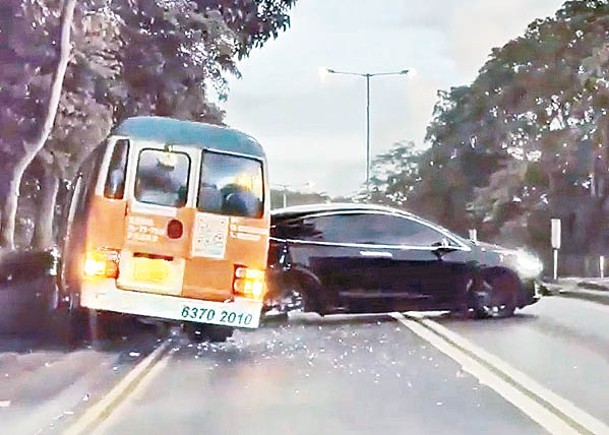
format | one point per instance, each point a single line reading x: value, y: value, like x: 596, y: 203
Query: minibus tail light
x: 249, y: 283
x: 101, y: 263
x: 175, y: 229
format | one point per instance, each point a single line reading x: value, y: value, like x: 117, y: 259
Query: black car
x: 359, y: 258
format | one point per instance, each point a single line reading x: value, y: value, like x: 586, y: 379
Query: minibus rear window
x: 231, y: 185
x: 115, y: 181
x: 162, y: 178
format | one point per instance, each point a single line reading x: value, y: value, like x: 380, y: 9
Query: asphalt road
x: 339, y: 374
x: 562, y: 343
x: 364, y: 375
x: 45, y: 384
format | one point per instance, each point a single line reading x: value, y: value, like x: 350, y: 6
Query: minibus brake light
x: 249, y: 282
x: 101, y: 263
x: 175, y: 229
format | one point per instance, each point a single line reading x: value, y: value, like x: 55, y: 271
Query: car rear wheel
x: 292, y: 299
x: 496, y: 294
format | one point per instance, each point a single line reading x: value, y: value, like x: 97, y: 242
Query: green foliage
x: 129, y: 57
x: 533, y: 126
x: 253, y: 21
x: 395, y: 174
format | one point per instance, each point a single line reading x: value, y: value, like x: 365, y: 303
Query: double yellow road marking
x: 551, y: 411
x: 142, y: 373
x: 554, y: 413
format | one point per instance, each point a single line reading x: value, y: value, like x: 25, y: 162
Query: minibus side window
x: 231, y: 185
x: 83, y: 189
x: 162, y: 178
x: 115, y: 182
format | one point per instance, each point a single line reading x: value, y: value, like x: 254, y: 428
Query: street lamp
x: 367, y: 76
x: 309, y: 185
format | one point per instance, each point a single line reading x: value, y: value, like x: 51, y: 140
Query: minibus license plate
x: 150, y: 270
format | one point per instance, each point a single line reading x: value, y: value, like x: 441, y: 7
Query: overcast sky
x: 314, y: 130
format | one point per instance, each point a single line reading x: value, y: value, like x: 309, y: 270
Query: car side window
x: 340, y: 228
x: 299, y: 229
x: 365, y: 228
x: 396, y: 230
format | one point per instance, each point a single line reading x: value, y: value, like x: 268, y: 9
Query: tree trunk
x: 43, y: 226
x: 9, y: 207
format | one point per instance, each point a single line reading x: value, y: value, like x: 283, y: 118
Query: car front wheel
x: 495, y: 295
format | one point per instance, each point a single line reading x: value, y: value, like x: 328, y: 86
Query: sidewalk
x: 592, y: 289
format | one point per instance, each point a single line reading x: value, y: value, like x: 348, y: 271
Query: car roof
x: 198, y: 134
x: 333, y: 207
x: 298, y: 211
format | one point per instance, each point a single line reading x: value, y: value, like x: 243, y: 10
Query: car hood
x: 490, y: 247
x: 495, y: 255
x: 489, y: 254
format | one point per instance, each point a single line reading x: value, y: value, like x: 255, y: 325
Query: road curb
x: 592, y: 286
x: 101, y: 410
x: 575, y: 288
x: 598, y: 296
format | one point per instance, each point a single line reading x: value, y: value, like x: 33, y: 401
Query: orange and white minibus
x: 168, y: 220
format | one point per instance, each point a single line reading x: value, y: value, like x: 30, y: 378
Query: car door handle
x: 380, y: 254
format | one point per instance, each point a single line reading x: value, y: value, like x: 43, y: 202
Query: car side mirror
x: 442, y: 248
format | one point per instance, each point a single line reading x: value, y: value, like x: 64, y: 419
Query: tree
x: 395, y: 174
x: 31, y: 147
x: 457, y: 160
x: 128, y: 58
x: 532, y: 127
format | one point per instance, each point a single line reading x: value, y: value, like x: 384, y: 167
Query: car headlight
x: 528, y: 265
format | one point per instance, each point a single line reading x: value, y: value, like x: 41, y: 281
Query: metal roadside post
x: 555, y: 246
x: 473, y: 234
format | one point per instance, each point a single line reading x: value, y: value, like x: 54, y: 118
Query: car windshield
x: 304, y: 216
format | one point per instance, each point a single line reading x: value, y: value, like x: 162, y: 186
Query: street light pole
x: 368, y: 136
x: 367, y: 76
x: 285, y: 196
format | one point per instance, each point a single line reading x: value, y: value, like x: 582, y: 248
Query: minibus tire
x: 95, y: 328
x: 200, y: 332
x: 67, y: 326
x: 161, y: 329
x: 218, y: 333
x: 103, y: 326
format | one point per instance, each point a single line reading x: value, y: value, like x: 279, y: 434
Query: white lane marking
x: 498, y: 378
x: 101, y: 410
x: 560, y: 404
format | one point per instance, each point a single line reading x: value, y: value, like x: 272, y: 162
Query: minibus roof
x: 176, y: 132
